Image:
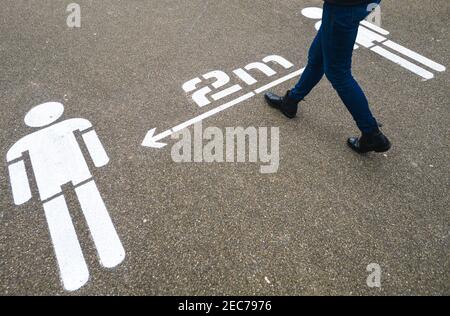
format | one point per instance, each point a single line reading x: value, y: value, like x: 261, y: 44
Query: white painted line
x: 403, y: 62
x: 374, y: 27
x: 164, y: 134
x: 279, y: 81
x: 104, y: 235
x: 421, y: 59
x: 72, y: 266
x: 224, y: 93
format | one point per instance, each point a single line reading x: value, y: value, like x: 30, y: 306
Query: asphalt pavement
x: 311, y: 228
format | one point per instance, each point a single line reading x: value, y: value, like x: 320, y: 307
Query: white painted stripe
x: 95, y: 148
x: 421, y: 59
x: 403, y: 62
x: 163, y: 135
x: 212, y: 112
x: 104, y: 235
x: 72, y: 266
x: 191, y: 85
x: 279, y: 81
x: 374, y: 27
x: 224, y: 93
x: 19, y: 182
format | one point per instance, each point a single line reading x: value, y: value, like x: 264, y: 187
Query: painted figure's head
x: 313, y: 13
x: 44, y: 114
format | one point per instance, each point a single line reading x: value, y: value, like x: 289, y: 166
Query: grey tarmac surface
x: 226, y: 229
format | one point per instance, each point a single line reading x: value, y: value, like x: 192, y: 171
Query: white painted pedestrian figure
x: 56, y: 160
x: 370, y: 34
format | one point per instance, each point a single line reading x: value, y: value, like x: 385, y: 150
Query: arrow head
x: 152, y: 141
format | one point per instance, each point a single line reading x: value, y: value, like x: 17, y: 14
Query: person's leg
x: 339, y: 31
x: 313, y: 72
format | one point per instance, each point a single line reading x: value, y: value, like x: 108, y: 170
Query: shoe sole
x: 378, y: 150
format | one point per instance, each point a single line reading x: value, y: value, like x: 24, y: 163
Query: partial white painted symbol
x: 374, y: 17
x: 200, y: 95
x: 56, y: 160
x: 370, y: 34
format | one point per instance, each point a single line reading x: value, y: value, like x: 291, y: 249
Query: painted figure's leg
x: 72, y: 266
x: 339, y: 30
x: 104, y: 235
x: 313, y: 72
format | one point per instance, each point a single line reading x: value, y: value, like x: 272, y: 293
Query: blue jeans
x: 331, y: 54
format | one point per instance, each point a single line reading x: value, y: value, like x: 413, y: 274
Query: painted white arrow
x: 153, y: 141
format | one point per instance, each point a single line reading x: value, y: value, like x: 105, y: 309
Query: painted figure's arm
x: 18, y: 177
x: 93, y: 144
x: 95, y: 148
